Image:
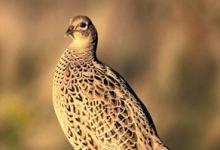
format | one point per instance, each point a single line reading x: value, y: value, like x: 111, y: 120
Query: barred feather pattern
x: 97, y: 109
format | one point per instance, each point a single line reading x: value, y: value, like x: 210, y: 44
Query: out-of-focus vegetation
x: 169, y: 51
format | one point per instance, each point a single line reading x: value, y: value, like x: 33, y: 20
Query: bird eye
x: 82, y: 25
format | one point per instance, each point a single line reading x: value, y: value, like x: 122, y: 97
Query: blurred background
x: 169, y: 51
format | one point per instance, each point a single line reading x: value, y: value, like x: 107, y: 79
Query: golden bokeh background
x: 169, y: 51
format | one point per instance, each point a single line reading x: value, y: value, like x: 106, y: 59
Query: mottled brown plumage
x: 95, y: 106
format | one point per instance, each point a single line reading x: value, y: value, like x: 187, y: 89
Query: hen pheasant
x: 95, y: 106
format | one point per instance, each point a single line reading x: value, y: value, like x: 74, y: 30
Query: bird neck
x: 81, y: 54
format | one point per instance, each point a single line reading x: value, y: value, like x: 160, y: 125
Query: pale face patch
x: 80, y: 41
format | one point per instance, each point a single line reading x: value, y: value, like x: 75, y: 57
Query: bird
x: 95, y: 106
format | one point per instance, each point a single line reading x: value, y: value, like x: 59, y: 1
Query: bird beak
x: 69, y: 31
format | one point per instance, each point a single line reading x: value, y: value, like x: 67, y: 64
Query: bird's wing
x: 120, y: 117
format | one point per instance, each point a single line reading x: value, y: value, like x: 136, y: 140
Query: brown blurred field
x: 169, y: 51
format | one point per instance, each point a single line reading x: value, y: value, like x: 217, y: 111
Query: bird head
x: 82, y: 31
